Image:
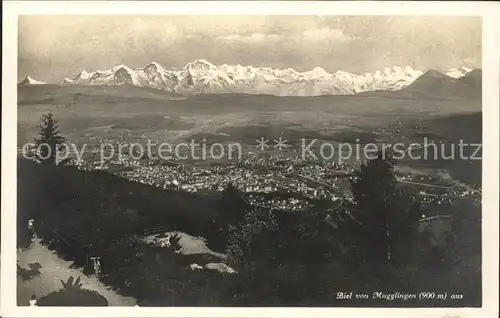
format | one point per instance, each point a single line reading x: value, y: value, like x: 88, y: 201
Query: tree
x: 249, y: 240
x: 50, y: 141
x: 282, y: 258
x: 387, y: 215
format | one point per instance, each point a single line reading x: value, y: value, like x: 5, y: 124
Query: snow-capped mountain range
x: 201, y: 76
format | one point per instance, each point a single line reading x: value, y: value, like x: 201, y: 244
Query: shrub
x: 73, y: 295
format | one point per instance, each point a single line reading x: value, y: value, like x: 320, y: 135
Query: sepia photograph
x: 250, y: 160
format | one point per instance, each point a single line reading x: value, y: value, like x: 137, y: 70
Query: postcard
x: 250, y: 159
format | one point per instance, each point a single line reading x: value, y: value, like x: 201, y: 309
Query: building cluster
x: 266, y: 174
x: 258, y: 174
x: 289, y: 204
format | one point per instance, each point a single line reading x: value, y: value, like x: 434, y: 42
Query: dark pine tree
x: 387, y: 215
x: 50, y: 140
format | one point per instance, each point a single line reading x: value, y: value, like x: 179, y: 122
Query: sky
x: 53, y: 47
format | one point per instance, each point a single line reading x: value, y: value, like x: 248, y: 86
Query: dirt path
x: 54, y: 270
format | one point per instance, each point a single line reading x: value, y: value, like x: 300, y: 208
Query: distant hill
x: 473, y: 78
x: 435, y: 85
x: 438, y: 85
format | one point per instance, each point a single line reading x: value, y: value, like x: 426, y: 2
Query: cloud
x: 326, y: 35
x: 355, y: 44
x: 253, y: 38
x: 311, y: 35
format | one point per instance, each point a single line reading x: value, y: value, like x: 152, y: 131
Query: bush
x: 73, y: 295
x: 249, y: 239
x: 282, y: 258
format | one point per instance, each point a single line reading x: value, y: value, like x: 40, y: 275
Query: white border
x: 490, y: 12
